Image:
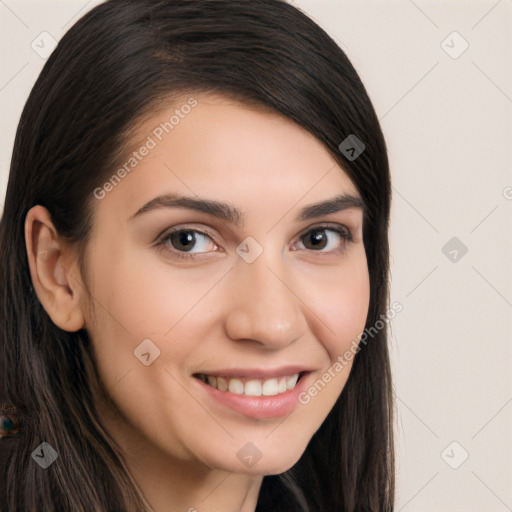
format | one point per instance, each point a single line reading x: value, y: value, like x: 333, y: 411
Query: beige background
x: 448, y: 124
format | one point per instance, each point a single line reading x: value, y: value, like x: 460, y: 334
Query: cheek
x: 340, y: 300
x: 142, y: 296
x: 135, y: 301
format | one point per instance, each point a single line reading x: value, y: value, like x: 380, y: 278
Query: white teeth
x: 236, y: 386
x: 291, y: 381
x: 253, y: 387
x: 270, y: 387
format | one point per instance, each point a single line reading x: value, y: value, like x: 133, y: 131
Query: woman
x: 193, y: 250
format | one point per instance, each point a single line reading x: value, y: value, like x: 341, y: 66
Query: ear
x: 54, y: 270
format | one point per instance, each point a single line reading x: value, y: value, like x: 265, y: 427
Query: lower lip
x: 258, y: 407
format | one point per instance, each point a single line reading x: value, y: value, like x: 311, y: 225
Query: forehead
x: 216, y: 147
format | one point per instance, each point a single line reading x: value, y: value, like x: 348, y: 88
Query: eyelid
x: 334, y: 226
x: 184, y: 227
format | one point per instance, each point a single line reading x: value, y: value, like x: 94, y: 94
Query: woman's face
x: 209, y: 261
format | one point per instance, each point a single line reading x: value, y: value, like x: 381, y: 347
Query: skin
x: 302, y: 306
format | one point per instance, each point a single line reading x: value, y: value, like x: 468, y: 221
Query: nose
x: 263, y: 306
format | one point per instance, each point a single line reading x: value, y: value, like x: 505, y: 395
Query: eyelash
x: 345, y: 234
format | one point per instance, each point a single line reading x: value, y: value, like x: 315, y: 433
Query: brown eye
x: 315, y: 239
x: 187, y: 242
x: 182, y: 240
x: 325, y: 239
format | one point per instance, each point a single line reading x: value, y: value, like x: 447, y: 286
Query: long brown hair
x: 114, y: 66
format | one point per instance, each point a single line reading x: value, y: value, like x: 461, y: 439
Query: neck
x: 185, y: 486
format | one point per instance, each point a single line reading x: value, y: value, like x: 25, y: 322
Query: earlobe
x: 53, y: 270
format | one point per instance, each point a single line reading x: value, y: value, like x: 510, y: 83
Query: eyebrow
x: 233, y: 215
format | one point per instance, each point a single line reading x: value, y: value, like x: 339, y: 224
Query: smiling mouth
x: 252, y: 387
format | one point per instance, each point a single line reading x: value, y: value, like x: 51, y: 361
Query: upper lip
x: 256, y: 373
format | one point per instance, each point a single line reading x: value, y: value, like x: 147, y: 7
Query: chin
x: 271, y: 463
